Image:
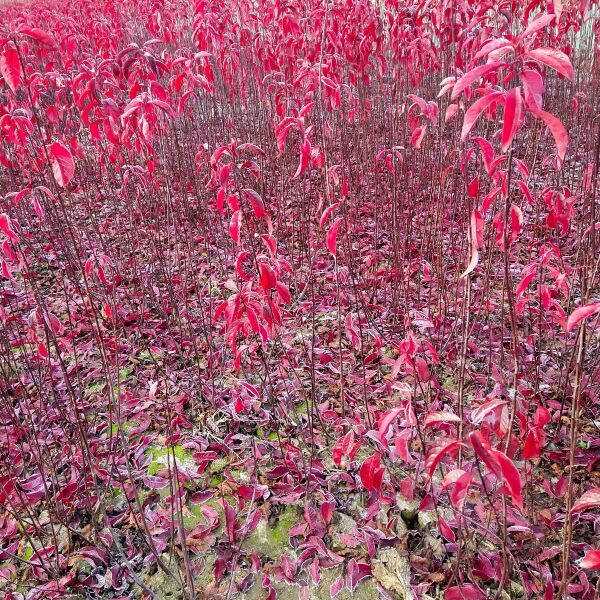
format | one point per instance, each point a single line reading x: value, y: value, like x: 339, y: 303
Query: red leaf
x: 538, y: 23
x: 532, y: 447
x: 371, y: 474
x: 468, y: 591
x: 491, y: 46
x: 342, y: 447
x: 590, y: 499
x: 500, y: 465
x: 533, y: 88
x: 511, y: 477
x: 282, y: 130
x: 487, y: 201
x: 326, y: 213
x: 422, y: 369
x: 67, y: 492
x: 355, y: 572
x: 6, y: 227
x: 450, y: 112
x: 385, y: 422
x: 581, y: 313
x: 512, y: 117
x: 485, y: 452
x: 526, y: 191
x: 437, y: 451
x: 591, y: 560
x: 39, y: 35
x: 336, y: 587
x: 242, y: 256
x: 473, y: 187
x: 557, y: 129
x: 472, y: 263
x: 524, y: 283
x: 553, y: 58
x: 268, y: 279
x: 284, y: 292
x: 473, y: 75
x: 417, y: 136
x: 258, y: 206
x: 487, y: 151
x: 63, y: 167
x: 481, y: 412
x: 304, y: 158
x: 516, y: 222
x: 331, y: 236
x: 10, y: 67
x: 460, y: 480
x: 446, y: 530
x: 234, y: 226
x: 476, y: 233
x: 441, y: 417
x: 474, y: 112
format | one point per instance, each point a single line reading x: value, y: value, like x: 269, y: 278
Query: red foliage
x: 339, y: 259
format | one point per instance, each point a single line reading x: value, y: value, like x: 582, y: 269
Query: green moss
x: 124, y: 373
x: 162, y: 457
x: 206, y: 578
x: 215, y: 480
x: 27, y: 552
x: 147, y: 356
x: 94, y: 387
x: 302, y: 408
x: 216, y: 466
x: 271, y: 538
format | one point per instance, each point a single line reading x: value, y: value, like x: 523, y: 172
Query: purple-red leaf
x: 557, y: 129
x: 533, y: 88
x: 473, y: 75
x: 591, y: 560
x: 10, y: 67
x: 371, y: 473
x: 581, y: 313
x: 234, y: 226
x: 474, y: 111
x: 512, y: 117
x: 555, y: 59
x: 63, y: 167
x: 590, y: 499
x: 331, y: 236
x: 304, y: 158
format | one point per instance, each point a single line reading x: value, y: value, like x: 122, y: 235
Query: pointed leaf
x: 304, y: 158
x: 591, y: 560
x: 473, y: 75
x: 553, y: 58
x: 234, y: 226
x: 512, y: 117
x: 326, y: 213
x: 371, y: 474
x: 63, y: 167
x: 474, y: 112
x: 538, y: 23
x: 533, y: 88
x: 582, y: 313
x: 10, y: 67
x: 331, y: 236
x: 590, y: 499
x: 385, y: 422
x: 557, y: 129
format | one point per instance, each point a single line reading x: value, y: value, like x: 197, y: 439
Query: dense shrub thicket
x: 299, y: 298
